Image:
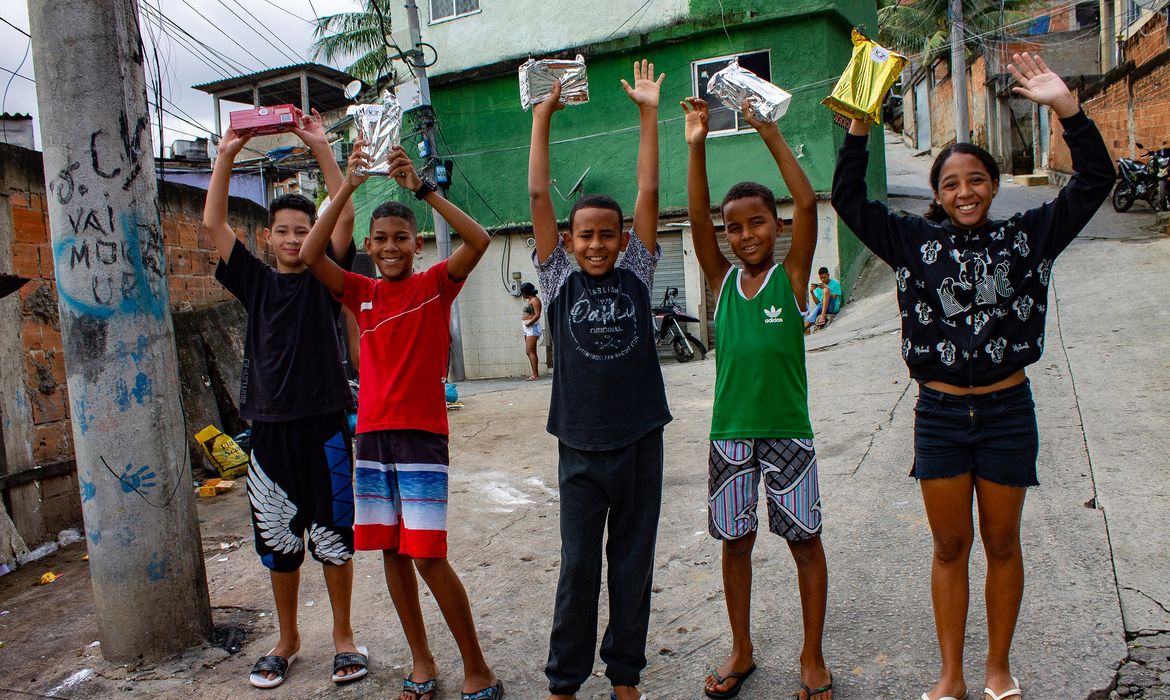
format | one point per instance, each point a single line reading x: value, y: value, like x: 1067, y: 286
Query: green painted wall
x: 487, y: 133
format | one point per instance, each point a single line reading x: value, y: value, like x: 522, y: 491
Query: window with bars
x: 443, y: 10
x: 722, y: 119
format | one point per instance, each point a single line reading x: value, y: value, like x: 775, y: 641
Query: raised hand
x: 697, y: 112
x: 646, y: 89
x: 313, y: 133
x: 751, y: 117
x: 231, y: 143
x: 1039, y: 83
x: 545, y: 108
x: 402, y: 170
x: 357, y: 160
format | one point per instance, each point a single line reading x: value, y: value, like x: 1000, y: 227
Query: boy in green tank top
x: 760, y: 425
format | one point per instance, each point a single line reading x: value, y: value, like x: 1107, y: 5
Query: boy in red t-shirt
x: 401, y: 475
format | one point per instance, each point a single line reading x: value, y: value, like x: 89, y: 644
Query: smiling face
x: 751, y: 230
x: 289, y: 229
x: 965, y: 190
x: 392, y: 244
x: 596, y: 239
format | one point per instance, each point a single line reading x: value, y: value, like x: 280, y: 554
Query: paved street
x: 1095, y: 532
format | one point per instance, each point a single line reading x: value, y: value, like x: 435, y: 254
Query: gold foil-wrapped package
x: 537, y: 79
x: 379, y: 125
x: 863, y: 85
x: 734, y: 84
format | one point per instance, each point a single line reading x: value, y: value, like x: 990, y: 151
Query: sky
x: 213, y: 24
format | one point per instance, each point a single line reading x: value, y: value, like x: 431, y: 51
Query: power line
x: 224, y: 66
x: 626, y: 21
x: 290, y: 13
x: 10, y: 24
x: 238, y: 66
x: 254, y: 31
x: 264, y: 26
x: 18, y: 75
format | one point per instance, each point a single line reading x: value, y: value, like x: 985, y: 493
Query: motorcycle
x: 669, y: 318
x: 1149, y: 180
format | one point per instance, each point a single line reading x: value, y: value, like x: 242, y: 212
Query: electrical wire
x: 264, y: 25
x: 224, y: 66
x: 254, y: 31
x: 4, y: 101
x: 288, y: 12
x: 643, y: 6
x: 10, y: 24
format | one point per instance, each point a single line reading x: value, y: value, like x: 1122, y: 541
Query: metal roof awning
x: 306, y: 85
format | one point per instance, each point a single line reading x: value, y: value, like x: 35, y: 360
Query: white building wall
x: 489, y: 317
x: 504, y: 29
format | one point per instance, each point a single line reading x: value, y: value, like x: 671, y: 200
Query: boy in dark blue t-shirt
x: 294, y: 392
x: 610, y: 443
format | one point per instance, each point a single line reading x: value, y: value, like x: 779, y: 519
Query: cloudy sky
x: 242, y: 43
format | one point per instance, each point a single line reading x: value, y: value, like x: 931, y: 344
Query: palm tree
x: 347, y: 34
x: 923, y: 26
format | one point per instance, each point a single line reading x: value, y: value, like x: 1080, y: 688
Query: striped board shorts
x: 400, y: 493
x: 789, y: 470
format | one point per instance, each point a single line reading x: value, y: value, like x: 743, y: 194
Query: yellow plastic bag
x: 229, y: 460
x: 863, y: 85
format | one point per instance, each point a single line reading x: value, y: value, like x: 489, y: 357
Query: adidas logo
x: 772, y: 315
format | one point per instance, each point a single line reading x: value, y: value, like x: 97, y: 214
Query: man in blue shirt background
x: 819, y: 310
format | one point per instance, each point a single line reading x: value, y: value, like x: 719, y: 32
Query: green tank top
x: 761, y: 388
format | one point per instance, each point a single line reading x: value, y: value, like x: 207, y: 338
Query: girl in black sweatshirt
x: 973, y: 295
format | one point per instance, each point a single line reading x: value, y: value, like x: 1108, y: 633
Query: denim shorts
x: 993, y: 436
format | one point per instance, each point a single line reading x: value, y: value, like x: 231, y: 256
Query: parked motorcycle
x: 669, y: 318
x: 1149, y: 180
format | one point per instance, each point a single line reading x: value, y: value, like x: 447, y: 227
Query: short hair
x: 823, y: 271
x: 935, y: 212
x: 296, y: 202
x: 397, y: 209
x: 743, y: 190
x: 596, y: 201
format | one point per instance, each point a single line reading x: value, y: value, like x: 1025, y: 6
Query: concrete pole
x: 146, y: 562
x: 959, y: 71
x: 455, y: 371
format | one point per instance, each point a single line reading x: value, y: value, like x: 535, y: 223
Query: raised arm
x: 645, y: 93
x: 798, y: 262
x: 313, y: 249
x: 872, y: 222
x: 314, y: 137
x: 215, y: 207
x: 544, y: 217
x: 475, y: 238
x: 712, y: 260
x: 1059, y: 221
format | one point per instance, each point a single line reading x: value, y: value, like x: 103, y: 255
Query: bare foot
x: 284, y: 648
x: 421, y: 672
x: 814, y: 677
x: 626, y: 692
x: 946, y: 688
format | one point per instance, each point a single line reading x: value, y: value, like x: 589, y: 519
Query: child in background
x: 760, y: 427
x: 401, y: 477
x: 608, y: 404
x: 295, y: 394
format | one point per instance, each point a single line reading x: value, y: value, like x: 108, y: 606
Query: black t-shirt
x: 292, y: 358
x: 607, y: 388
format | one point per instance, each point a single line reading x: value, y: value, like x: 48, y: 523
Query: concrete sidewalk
x: 1097, y: 524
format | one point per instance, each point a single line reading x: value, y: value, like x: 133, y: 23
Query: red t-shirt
x: 405, y: 331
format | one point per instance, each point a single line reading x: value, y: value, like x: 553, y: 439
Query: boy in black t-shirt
x: 610, y: 442
x: 294, y: 392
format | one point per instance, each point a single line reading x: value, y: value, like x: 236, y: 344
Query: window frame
x: 455, y: 14
x: 741, y: 125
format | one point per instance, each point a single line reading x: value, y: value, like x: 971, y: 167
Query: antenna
x: 576, y: 188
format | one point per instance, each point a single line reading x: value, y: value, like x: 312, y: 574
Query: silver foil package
x: 379, y: 125
x: 734, y: 84
x: 538, y: 77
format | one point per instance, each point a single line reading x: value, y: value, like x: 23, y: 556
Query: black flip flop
x: 344, y: 659
x: 739, y: 678
x: 811, y: 692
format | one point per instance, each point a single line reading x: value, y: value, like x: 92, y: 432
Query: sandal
x: 494, y: 692
x: 274, y: 664
x: 1010, y: 692
x: 809, y: 693
x: 419, y: 690
x: 948, y: 697
x: 359, y: 658
x: 739, y: 678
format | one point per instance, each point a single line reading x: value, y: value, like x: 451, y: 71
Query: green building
x: 801, y: 45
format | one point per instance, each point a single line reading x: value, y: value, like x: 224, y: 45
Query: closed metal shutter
x: 670, y: 274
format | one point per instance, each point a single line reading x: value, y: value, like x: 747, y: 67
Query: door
x: 922, y: 114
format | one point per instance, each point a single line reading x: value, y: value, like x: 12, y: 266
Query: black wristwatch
x: 427, y: 187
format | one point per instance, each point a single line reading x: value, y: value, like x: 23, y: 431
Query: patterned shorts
x: 301, y: 479
x: 789, y: 468
x: 400, y: 485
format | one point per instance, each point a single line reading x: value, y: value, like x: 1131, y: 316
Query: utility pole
x: 959, y: 71
x: 145, y: 558
x: 455, y: 372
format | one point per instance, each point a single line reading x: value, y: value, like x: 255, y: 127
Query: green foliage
x: 356, y: 36
x: 921, y: 28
